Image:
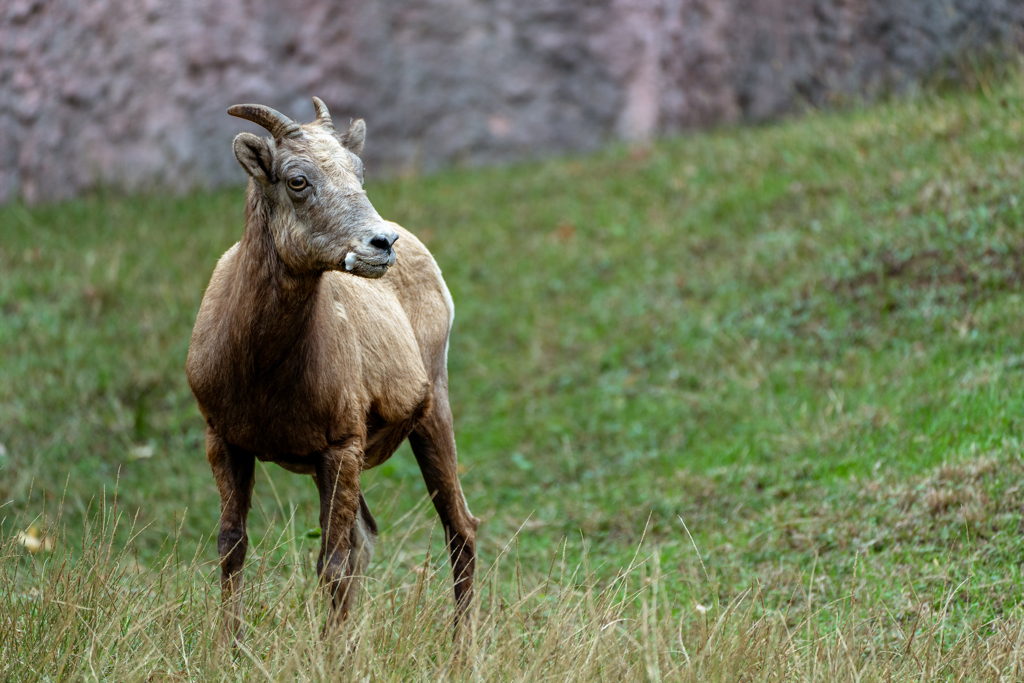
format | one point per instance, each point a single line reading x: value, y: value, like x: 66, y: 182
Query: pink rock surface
x: 132, y: 94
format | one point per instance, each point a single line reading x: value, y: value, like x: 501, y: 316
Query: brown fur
x: 296, y: 362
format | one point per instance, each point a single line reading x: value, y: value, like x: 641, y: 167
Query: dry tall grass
x: 94, y: 613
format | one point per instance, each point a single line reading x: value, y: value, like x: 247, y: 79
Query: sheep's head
x: 312, y: 180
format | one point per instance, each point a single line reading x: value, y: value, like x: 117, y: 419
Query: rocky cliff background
x: 132, y: 93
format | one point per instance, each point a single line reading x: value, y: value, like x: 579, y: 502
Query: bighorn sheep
x: 320, y: 345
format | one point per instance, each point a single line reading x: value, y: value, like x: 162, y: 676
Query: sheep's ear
x: 255, y: 156
x: 355, y: 137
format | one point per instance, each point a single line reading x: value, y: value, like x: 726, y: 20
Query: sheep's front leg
x: 233, y: 469
x: 342, y: 550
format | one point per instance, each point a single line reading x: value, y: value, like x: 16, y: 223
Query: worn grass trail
x: 800, y: 341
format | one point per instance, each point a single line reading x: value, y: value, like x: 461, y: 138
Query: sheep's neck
x: 279, y: 307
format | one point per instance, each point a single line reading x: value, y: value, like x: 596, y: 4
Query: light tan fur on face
x: 295, y: 361
x: 330, y: 223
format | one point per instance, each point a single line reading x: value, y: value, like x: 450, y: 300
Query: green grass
x: 801, y: 340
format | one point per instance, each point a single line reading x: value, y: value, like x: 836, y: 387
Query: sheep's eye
x: 297, y: 183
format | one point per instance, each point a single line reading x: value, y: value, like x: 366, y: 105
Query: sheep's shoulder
x: 386, y: 350
x: 420, y: 289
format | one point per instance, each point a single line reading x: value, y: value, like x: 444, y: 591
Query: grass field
x: 741, y: 406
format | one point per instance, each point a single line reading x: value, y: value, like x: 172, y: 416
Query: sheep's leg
x: 347, y: 534
x: 362, y: 539
x: 433, y: 443
x: 233, y: 469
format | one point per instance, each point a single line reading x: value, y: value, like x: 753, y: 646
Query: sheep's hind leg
x: 233, y: 468
x: 433, y: 443
x: 347, y: 536
x: 362, y: 539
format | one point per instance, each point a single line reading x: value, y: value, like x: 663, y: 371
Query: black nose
x: 382, y: 242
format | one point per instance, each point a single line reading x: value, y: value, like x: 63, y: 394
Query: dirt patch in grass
x: 958, y: 273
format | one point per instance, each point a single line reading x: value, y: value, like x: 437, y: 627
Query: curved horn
x: 323, y: 117
x: 279, y: 125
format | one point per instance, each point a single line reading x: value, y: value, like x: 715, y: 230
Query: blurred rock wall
x: 132, y: 93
